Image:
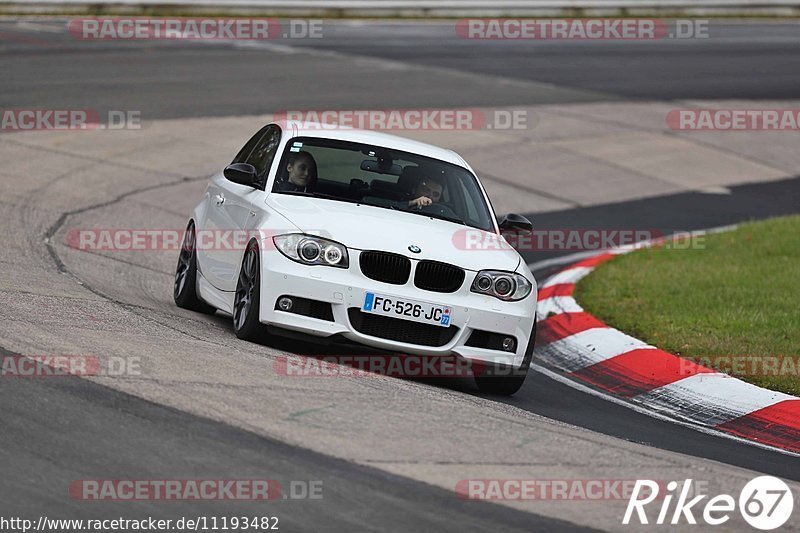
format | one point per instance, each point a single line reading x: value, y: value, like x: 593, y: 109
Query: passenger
x: 426, y: 192
x: 300, y: 173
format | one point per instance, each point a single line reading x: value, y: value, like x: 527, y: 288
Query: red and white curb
x: 589, y: 351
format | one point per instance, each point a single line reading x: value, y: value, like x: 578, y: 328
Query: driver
x: 426, y: 192
x: 301, y: 173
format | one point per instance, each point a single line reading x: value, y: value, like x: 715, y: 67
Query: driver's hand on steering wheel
x: 420, y: 202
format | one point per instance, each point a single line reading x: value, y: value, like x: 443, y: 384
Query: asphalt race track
x: 387, y: 451
x: 752, y: 61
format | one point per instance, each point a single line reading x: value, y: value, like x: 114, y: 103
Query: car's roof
x: 327, y: 131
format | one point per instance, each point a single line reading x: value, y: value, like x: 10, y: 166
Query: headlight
x: 508, y: 286
x: 311, y: 250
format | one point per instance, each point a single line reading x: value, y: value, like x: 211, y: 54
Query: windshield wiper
x: 457, y: 220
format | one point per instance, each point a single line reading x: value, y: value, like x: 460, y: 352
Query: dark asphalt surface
x: 61, y: 430
x: 52, y: 69
x: 753, y: 61
x: 664, y: 215
x: 58, y: 431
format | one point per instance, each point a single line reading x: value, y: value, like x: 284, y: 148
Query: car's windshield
x: 381, y: 177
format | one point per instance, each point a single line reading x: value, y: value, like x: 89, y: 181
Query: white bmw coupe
x: 361, y: 236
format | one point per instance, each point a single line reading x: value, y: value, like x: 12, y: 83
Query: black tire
x: 503, y: 380
x: 185, y: 288
x: 246, y: 302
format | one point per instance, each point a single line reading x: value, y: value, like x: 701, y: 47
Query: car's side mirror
x: 243, y: 173
x: 513, y: 221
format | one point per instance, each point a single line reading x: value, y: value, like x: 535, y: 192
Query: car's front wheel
x: 185, y: 288
x: 505, y: 381
x: 246, y: 302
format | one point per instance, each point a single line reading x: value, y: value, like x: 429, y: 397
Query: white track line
x: 571, y: 275
x: 652, y: 414
x: 692, y: 397
x: 592, y: 346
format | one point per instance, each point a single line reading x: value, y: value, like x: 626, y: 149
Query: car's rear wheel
x: 185, y: 288
x: 246, y: 302
x: 505, y: 381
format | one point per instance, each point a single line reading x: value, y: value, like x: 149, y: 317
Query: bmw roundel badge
x: 414, y: 249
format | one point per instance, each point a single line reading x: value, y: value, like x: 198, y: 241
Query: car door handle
x: 219, y: 199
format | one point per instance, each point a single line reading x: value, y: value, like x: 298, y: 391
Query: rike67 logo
x: 765, y: 503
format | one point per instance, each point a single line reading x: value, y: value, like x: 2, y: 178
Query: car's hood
x: 366, y: 227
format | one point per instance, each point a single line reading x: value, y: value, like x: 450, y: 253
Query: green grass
x: 734, y: 294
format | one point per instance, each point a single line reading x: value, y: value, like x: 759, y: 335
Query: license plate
x: 404, y: 309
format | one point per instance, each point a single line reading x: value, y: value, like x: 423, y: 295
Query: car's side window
x: 264, y: 151
x: 247, y: 149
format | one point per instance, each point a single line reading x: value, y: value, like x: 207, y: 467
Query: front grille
x: 394, y: 329
x: 311, y: 308
x: 438, y: 277
x: 385, y: 267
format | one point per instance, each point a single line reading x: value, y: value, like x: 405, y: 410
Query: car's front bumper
x: 345, y: 289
